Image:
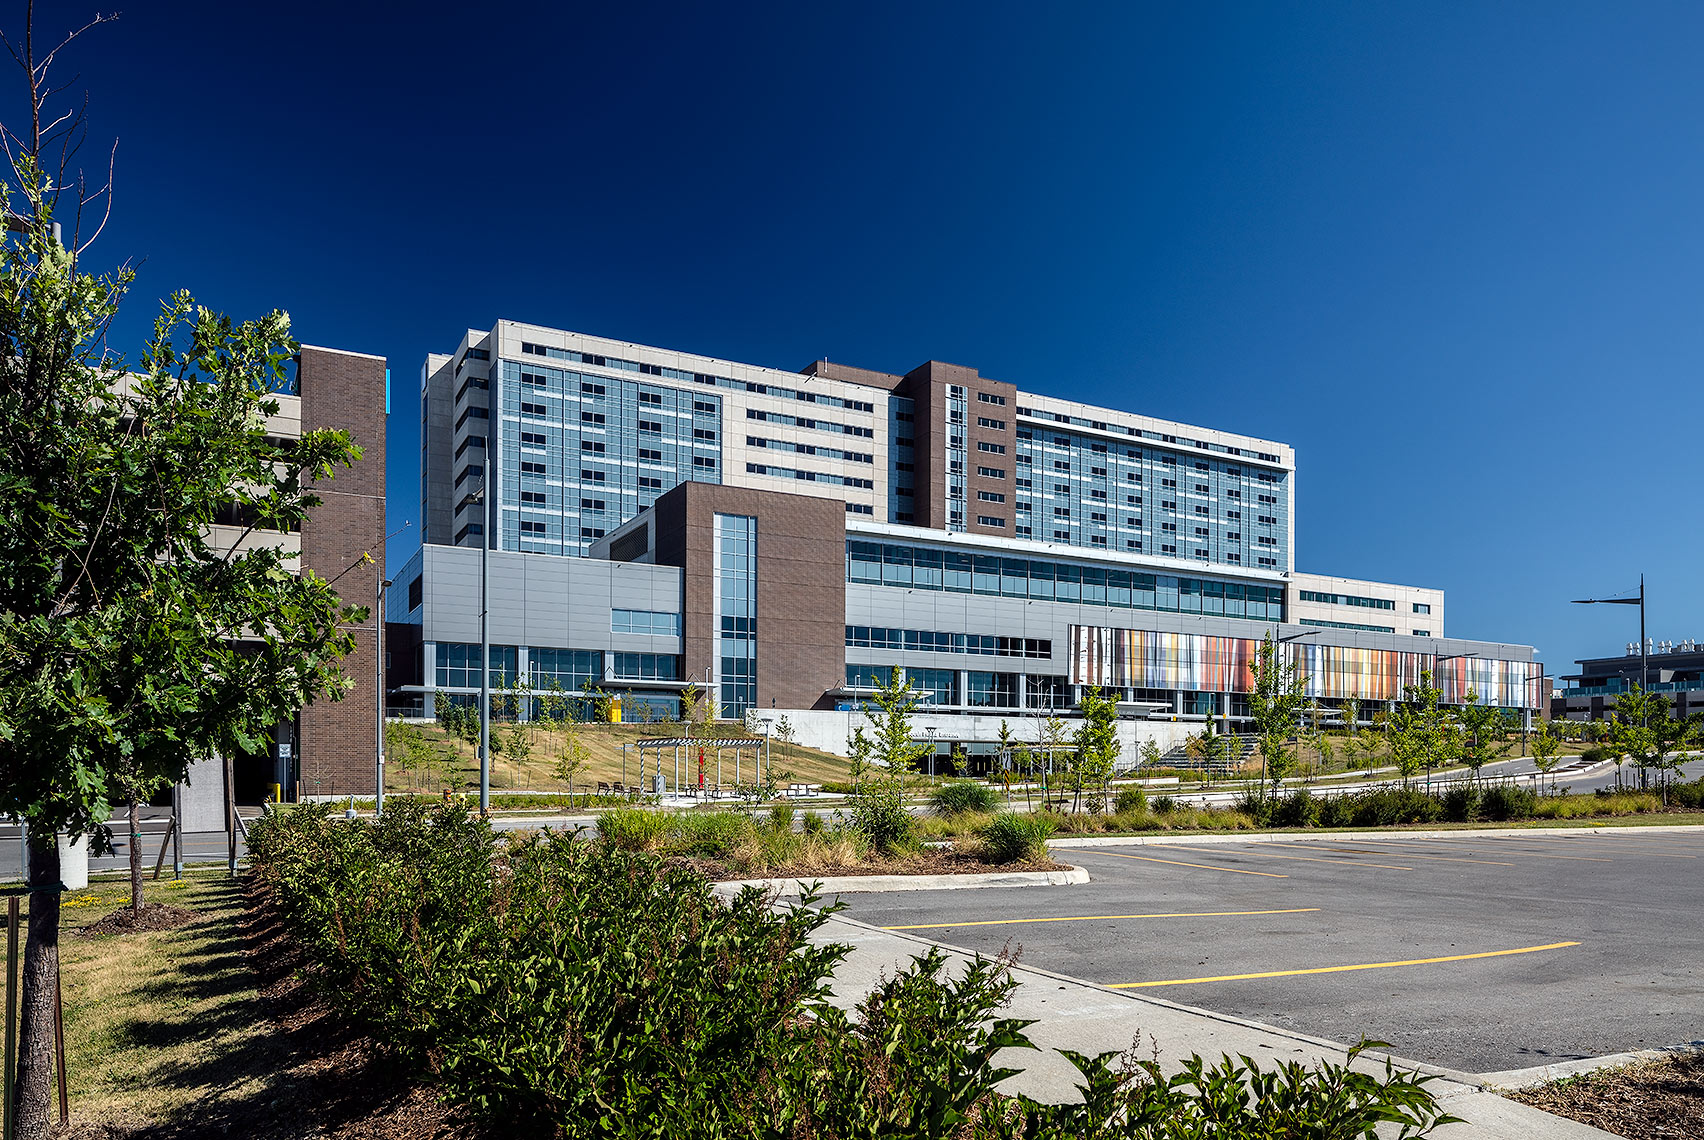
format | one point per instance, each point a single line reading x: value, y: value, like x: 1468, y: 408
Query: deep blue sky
x: 1450, y: 252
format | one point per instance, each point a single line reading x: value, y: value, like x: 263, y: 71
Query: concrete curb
x: 1544, y: 1074
x: 1206, y: 1033
x: 860, y: 884
x: 1168, y: 837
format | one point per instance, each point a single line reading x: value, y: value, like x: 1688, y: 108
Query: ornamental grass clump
x: 1013, y: 838
x: 961, y: 796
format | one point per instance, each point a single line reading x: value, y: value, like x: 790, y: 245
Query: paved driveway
x: 1472, y: 952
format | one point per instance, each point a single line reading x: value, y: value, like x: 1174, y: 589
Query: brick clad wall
x: 927, y: 386
x: 337, y: 739
x: 1005, y: 436
x: 801, y: 585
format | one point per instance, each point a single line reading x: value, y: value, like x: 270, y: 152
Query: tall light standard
x: 1644, y: 649
x: 379, y: 628
x: 478, y: 496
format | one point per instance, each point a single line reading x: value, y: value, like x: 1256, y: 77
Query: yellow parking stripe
x: 1342, y: 969
x: 1175, y: 863
x: 1271, y: 855
x: 1106, y: 918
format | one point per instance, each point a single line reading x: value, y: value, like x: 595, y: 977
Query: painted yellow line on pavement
x: 1407, y: 854
x: 1343, y: 969
x: 1107, y: 917
x: 1270, y: 855
x: 1176, y: 863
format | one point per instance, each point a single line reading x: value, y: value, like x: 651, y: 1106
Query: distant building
x: 783, y: 539
x: 1676, y: 670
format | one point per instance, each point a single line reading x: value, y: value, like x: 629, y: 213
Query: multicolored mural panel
x: 1149, y: 659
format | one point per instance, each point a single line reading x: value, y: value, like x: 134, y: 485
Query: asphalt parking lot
x: 1473, y: 952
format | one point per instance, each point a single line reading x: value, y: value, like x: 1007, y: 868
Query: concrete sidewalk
x: 1073, y: 1014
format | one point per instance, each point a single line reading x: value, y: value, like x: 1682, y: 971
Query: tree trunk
x: 41, y: 969
x: 135, y: 855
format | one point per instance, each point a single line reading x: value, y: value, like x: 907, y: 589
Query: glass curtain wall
x: 736, y: 611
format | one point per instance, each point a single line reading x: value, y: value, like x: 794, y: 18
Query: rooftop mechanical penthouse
x: 784, y: 538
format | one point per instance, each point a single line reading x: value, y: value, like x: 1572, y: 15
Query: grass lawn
x: 154, y: 1019
x: 201, y: 1031
x: 605, y: 761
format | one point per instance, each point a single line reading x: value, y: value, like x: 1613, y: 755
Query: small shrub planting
x: 1163, y: 805
x: 878, y: 814
x: 591, y: 992
x: 1131, y: 801
x: 960, y: 796
x: 1461, y: 803
x: 1298, y: 809
x: 1506, y: 801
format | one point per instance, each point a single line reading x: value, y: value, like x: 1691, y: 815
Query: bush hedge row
x: 577, y: 989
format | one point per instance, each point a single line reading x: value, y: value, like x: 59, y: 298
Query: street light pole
x: 379, y: 625
x: 379, y: 642
x: 1644, y: 648
x: 484, y: 645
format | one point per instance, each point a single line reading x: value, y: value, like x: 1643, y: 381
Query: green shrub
x: 812, y: 823
x: 781, y: 815
x: 1382, y: 807
x: 1298, y: 809
x: 878, y: 814
x: 1506, y: 801
x: 589, y: 991
x: 1689, y: 795
x: 633, y: 829
x: 1130, y: 801
x: 1163, y: 805
x: 960, y: 796
x: 1594, y: 754
x: 1461, y: 803
x: 1013, y: 838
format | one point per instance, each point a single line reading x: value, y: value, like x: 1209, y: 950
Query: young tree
x: 1546, y: 744
x: 1633, y: 728
x: 1351, y: 711
x: 858, y: 747
x: 129, y: 642
x: 1321, y: 744
x: 572, y: 755
x: 889, y: 715
x: 1050, y: 743
x: 1275, y: 700
x: 1422, y: 733
x: 1151, y: 755
x: 1484, y: 731
x: 1097, y: 746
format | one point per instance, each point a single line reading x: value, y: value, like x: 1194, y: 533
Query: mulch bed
x: 154, y: 916
x: 1654, y: 1100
